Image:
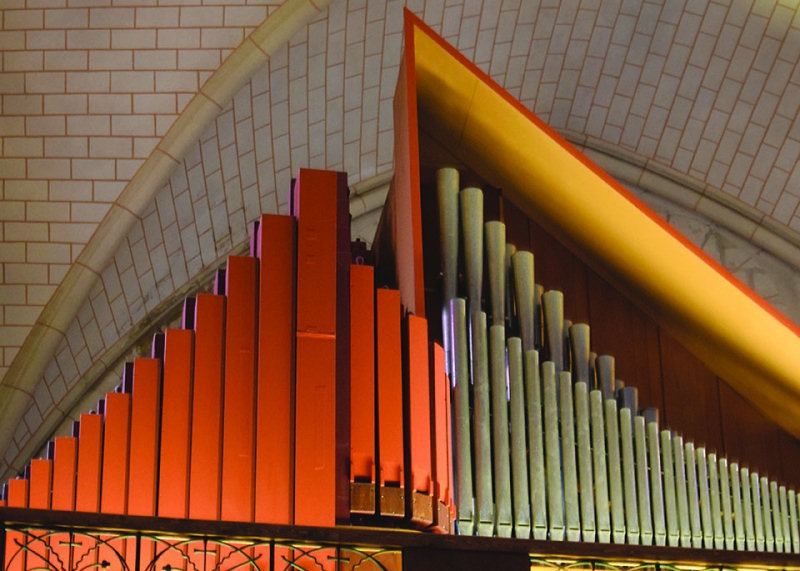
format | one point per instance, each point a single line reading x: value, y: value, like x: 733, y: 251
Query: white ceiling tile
x: 753, y: 86
x: 590, y: 75
x: 334, y: 82
x: 298, y: 94
x: 656, y: 121
x: 618, y: 111
x: 434, y: 9
x: 687, y: 29
x: 741, y: 62
x: 643, y: 99
x: 499, y: 62
x: 632, y: 132
x: 691, y: 136
x: 628, y: 80
x: 596, y: 121
x: 545, y: 21
x: 729, y: 143
x: 598, y: 45
x: 754, y: 29
x: 663, y: 39
x: 785, y: 208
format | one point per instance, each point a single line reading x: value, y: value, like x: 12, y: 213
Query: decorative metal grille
x: 81, y: 550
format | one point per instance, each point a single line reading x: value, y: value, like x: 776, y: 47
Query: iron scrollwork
x: 35, y: 549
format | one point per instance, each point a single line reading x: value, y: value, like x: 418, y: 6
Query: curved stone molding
x: 17, y: 391
x: 710, y: 203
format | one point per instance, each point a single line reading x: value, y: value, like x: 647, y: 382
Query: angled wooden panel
x: 517, y: 230
x: 615, y: 321
x: 403, y: 213
x: 558, y: 268
x: 790, y: 458
x: 684, y: 378
x: 145, y: 407
x: 116, y: 438
x: 238, y: 441
x: 275, y: 249
x: 749, y: 438
x: 615, y: 233
x: 204, y: 479
x: 90, y: 443
x: 176, y: 418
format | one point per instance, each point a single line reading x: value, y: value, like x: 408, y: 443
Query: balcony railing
x: 72, y: 541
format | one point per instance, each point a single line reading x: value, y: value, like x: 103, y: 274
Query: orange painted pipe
x: 362, y: 374
x: 17, y: 497
x: 204, y: 478
x: 315, y: 208
x: 65, y: 460
x: 390, y: 387
x: 448, y: 408
x: 145, y: 407
x: 315, y: 435
x: 315, y: 205
x: 419, y: 400
x: 441, y: 410
x: 275, y: 248
x: 114, y: 488
x: 238, y: 446
x: 176, y: 418
x: 18, y: 493
x: 90, y: 451
x: 39, y: 491
x: 173, y: 471
x: 64, y: 472
x: 40, y: 484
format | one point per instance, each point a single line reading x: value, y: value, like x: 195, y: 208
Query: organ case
x: 307, y: 391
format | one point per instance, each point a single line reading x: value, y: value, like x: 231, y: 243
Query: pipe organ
x: 549, y: 443
x: 310, y: 388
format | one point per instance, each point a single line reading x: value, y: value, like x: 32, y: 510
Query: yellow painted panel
x: 736, y: 334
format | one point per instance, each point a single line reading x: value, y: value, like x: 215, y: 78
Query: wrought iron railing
x: 40, y: 540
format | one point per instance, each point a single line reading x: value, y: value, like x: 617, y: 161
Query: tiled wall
x: 87, y: 88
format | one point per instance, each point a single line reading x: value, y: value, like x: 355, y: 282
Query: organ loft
x: 483, y: 388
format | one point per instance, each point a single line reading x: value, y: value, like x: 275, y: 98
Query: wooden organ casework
x: 445, y: 382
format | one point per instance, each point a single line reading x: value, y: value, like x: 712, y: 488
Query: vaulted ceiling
x: 128, y: 172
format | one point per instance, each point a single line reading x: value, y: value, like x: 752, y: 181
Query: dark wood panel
x: 749, y: 437
x: 620, y: 329
x: 437, y: 559
x: 691, y: 396
x: 790, y: 458
x: 556, y: 267
x: 517, y: 232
